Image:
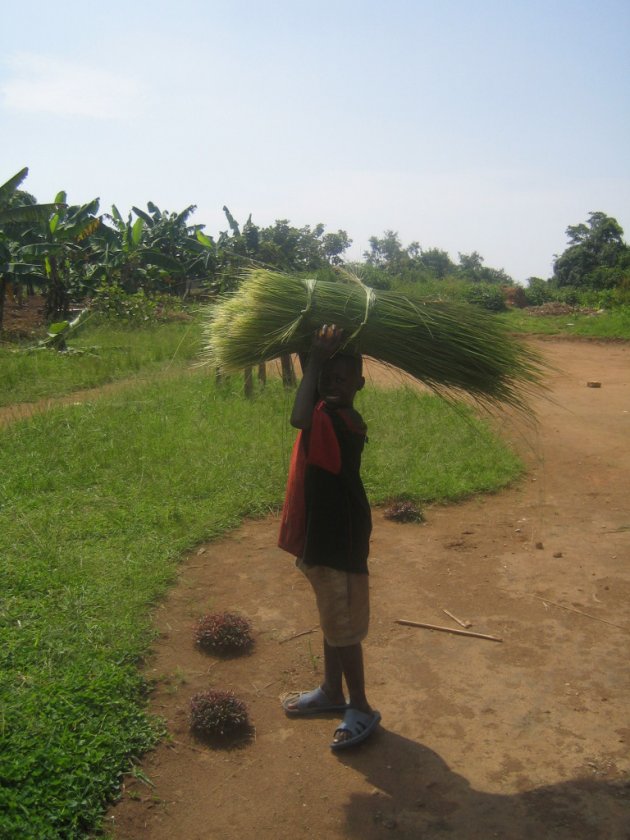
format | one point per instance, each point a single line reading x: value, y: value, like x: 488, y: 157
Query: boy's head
x: 340, y: 379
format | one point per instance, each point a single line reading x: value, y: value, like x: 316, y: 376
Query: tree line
x: 71, y: 252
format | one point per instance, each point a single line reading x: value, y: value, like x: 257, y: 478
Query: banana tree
x: 19, y: 211
x: 192, y: 254
x: 127, y: 255
x: 63, y: 248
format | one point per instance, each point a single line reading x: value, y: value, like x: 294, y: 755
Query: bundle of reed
x: 445, y: 345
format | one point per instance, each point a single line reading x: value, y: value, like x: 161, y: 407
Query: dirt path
x: 528, y: 738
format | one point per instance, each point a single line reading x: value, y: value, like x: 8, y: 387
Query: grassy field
x: 97, y: 503
x: 109, y: 352
x: 612, y: 324
x: 105, y: 353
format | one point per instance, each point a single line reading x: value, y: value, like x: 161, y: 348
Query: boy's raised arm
x: 326, y: 342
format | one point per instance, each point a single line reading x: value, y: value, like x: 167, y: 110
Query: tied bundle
x: 445, y: 345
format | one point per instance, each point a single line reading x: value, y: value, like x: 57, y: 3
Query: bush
x: 606, y: 299
x: 111, y: 301
x: 515, y: 296
x: 569, y: 295
x: 218, y: 714
x: 537, y: 292
x: 487, y: 296
x: 224, y: 633
x: 375, y: 278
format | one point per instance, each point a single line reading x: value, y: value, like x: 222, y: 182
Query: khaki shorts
x: 343, y: 601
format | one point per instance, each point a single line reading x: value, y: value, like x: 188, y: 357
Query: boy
x: 326, y: 522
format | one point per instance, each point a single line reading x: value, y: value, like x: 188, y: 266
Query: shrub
x: 606, y: 299
x: 568, y: 294
x: 375, y: 278
x: 112, y: 301
x: 515, y: 296
x: 218, y: 714
x: 487, y: 296
x: 224, y: 633
x: 537, y: 292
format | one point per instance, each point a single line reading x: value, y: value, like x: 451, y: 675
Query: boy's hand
x: 326, y: 341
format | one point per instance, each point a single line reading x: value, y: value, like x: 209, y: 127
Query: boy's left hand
x: 327, y: 340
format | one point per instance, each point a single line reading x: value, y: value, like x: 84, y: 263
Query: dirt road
x: 525, y: 738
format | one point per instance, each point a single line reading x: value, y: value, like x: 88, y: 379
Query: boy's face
x: 338, y: 382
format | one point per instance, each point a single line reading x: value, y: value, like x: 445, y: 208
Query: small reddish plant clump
x: 218, y: 714
x: 404, y: 511
x: 224, y: 633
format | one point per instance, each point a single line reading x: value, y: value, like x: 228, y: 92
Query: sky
x: 465, y: 125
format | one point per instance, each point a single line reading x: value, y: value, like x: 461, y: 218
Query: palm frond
x: 28, y: 213
x: 9, y: 187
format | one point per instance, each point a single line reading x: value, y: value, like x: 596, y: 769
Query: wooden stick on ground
x: 579, y: 612
x: 547, y: 602
x: 448, y: 630
x: 297, y: 635
x: 460, y: 621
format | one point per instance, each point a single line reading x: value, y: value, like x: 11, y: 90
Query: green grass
x: 109, y: 352
x: 97, y: 503
x: 611, y: 324
x: 423, y: 449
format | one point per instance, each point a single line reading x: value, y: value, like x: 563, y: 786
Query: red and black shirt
x: 326, y: 517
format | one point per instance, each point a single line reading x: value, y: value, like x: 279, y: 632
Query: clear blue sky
x: 487, y: 125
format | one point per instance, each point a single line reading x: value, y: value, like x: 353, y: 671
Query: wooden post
x: 248, y: 384
x: 262, y: 374
x: 288, y: 373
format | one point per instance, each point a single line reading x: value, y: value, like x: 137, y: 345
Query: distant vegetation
x: 73, y: 253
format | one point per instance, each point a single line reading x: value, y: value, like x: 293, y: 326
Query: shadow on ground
x: 416, y: 795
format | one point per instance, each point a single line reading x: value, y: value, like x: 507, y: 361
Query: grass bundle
x: 443, y: 344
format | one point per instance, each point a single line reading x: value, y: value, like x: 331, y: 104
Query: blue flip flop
x: 313, y: 702
x: 360, y: 725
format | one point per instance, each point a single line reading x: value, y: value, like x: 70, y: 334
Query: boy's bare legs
x: 340, y: 662
x: 332, y: 685
x: 345, y: 662
x: 333, y: 674
x: 348, y: 662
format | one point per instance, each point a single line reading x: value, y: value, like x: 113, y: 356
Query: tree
x: 333, y: 246
x: 471, y: 265
x: 175, y: 249
x: 384, y: 251
x: 63, y: 248
x: 18, y: 212
x: 235, y: 251
x: 281, y: 246
x: 388, y: 253
x: 597, y: 256
x: 292, y: 249
x: 157, y: 250
x: 437, y: 261
x: 124, y: 257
